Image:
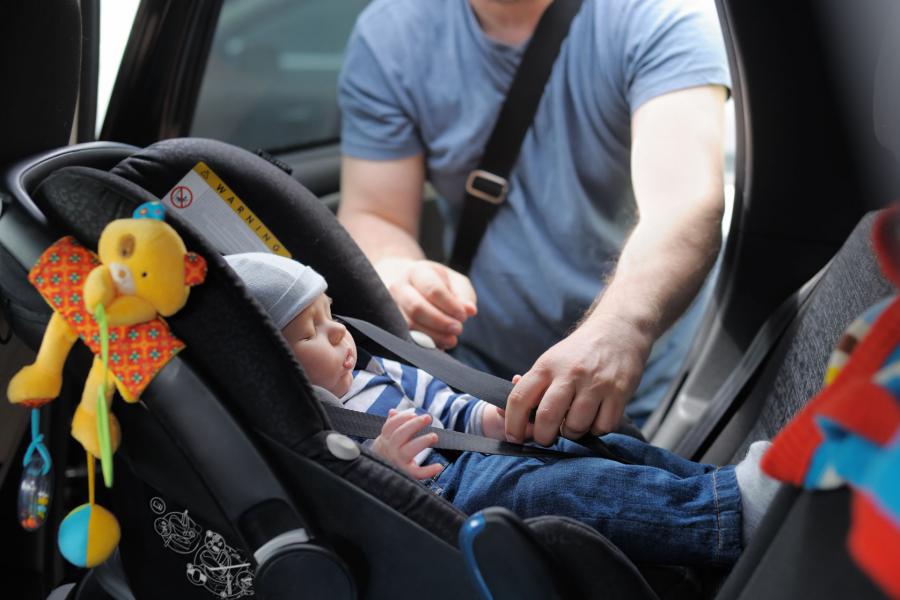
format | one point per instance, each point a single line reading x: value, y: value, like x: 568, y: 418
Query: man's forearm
x: 381, y: 202
x: 380, y: 239
x: 661, y: 269
x: 677, y: 176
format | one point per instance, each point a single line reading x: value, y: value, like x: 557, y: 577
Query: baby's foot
x: 757, y: 488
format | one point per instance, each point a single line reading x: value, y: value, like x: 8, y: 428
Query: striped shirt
x: 385, y: 384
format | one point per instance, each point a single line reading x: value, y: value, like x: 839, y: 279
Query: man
x: 629, y: 129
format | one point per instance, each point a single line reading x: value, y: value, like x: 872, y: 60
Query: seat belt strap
x: 368, y: 426
x: 438, y: 364
x: 730, y: 397
x: 458, y: 376
x: 487, y: 186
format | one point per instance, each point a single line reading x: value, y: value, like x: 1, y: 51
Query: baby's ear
x: 194, y: 269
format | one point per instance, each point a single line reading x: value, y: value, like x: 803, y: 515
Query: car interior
x: 232, y: 479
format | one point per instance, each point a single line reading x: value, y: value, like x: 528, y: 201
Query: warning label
x: 213, y: 208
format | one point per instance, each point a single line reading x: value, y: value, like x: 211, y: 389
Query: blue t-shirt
x: 420, y: 76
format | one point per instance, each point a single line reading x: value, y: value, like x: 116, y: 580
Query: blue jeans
x: 663, y: 509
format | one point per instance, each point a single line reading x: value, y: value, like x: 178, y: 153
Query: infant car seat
x: 230, y: 480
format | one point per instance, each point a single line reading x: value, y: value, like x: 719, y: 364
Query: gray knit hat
x: 283, y: 286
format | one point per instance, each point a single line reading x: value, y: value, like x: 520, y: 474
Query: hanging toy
x: 89, y: 533
x: 36, y: 486
x: 114, y: 303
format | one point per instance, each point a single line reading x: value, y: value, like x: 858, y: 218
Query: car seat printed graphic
x: 214, y: 565
x: 180, y: 533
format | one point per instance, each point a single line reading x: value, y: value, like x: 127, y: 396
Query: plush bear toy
x: 143, y: 273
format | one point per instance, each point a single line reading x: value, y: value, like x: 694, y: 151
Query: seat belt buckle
x: 487, y: 186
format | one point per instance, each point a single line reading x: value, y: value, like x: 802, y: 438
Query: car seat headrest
x: 294, y: 215
x: 230, y: 341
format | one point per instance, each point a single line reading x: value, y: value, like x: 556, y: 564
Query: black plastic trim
x: 228, y: 463
x: 21, y: 178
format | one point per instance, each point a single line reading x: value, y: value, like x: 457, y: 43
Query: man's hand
x: 581, y: 384
x: 399, y: 443
x: 435, y: 299
x: 493, y: 420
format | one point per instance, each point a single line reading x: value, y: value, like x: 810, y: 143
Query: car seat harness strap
x: 368, y: 426
x: 492, y: 390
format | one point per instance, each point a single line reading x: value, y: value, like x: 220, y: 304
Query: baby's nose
x: 336, y: 332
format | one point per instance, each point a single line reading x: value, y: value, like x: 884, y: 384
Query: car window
x: 116, y: 17
x: 271, y: 77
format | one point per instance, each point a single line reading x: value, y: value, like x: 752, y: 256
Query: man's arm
x: 381, y: 203
x: 583, y: 383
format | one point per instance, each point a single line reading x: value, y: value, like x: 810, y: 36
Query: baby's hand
x: 399, y: 444
x: 493, y: 422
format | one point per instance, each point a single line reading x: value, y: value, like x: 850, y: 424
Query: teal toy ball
x: 88, y: 535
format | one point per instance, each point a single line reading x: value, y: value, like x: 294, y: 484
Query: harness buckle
x: 487, y: 186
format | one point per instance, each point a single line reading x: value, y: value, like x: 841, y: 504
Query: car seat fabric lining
x: 852, y: 283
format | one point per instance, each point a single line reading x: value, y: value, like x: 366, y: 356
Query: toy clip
x: 36, y: 485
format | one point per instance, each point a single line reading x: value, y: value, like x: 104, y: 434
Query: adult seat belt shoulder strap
x: 488, y: 185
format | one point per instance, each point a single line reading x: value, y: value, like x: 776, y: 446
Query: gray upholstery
x: 794, y: 374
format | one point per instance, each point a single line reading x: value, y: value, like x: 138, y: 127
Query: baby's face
x: 323, y: 346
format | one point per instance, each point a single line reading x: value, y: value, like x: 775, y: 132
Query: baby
x: 661, y: 509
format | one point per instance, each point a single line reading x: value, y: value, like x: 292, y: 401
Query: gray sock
x: 757, y: 489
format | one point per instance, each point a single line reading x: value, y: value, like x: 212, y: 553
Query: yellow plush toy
x: 114, y: 304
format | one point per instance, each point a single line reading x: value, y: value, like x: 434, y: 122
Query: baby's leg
x: 643, y: 453
x: 652, y: 514
x: 756, y: 489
